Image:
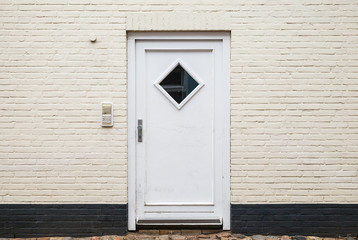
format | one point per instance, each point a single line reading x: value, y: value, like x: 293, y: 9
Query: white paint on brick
x: 180, y: 21
x: 294, y: 103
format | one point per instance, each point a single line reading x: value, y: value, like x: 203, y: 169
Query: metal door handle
x: 140, y: 130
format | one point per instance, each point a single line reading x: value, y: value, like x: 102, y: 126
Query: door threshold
x: 180, y: 222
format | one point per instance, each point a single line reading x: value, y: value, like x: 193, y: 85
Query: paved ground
x: 188, y: 235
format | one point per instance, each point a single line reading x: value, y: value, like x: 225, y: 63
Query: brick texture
x: 40, y: 220
x: 295, y: 219
x: 294, y: 96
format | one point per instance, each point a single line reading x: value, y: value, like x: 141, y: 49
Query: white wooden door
x: 179, y: 103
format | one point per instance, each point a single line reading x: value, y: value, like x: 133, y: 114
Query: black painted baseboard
x: 295, y: 219
x: 40, y: 220
x: 76, y: 220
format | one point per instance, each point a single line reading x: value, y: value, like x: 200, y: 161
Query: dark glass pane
x: 178, y: 84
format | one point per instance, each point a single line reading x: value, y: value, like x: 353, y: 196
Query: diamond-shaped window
x: 178, y: 85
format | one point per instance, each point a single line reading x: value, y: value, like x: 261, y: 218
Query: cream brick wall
x: 294, y: 75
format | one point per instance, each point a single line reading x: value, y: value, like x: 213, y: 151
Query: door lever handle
x: 140, y: 130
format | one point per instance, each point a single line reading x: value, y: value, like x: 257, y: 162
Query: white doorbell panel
x: 107, y: 114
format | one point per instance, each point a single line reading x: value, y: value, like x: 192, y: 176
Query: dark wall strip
x: 41, y: 220
x: 295, y: 219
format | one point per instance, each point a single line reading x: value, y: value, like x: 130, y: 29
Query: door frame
x: 132, y: 38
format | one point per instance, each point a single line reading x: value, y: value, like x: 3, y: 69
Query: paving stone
x: 146, y: 236
x: 130, y: 236
x: 84, y: 238
x: 272, y: 238
x: 238, y: 235
x: 188, y: 234
x: 177, y: 237
x: 191, y: 231
x: 223, y: 234
x: 118, y: 237
x: 258, y: 237
x: 108, y: 237
x: 162, y: 237
x: 201, y: 236
x: 299, y: 237
x: 93, y: 238
x: 313, y: 238
x: 351, y: 238
x: 247, y: 238
x: 193, y: 238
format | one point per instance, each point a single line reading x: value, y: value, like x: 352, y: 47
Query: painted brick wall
x: 295, y: 102
x: 75, y: 220
x: 294, y: 75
